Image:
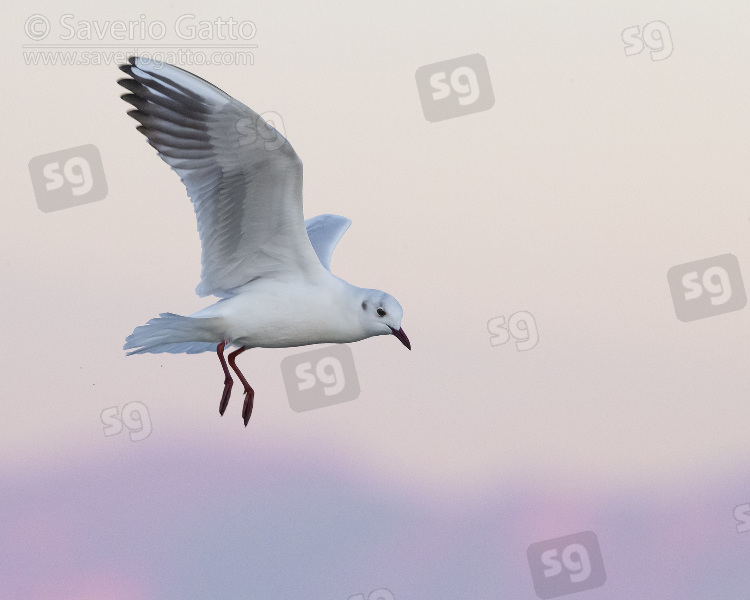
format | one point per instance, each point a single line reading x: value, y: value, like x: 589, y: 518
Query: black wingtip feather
x: 133, y: 99
x: 137, y: 115
x: 130, y: 84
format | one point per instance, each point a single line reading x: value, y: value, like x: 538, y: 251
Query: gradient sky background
x: 571, y: 198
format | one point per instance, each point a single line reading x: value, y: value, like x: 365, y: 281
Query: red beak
x: 401, y: 337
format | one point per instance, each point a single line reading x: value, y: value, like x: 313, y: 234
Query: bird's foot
x: 225, y: 395
x: 247, y: 407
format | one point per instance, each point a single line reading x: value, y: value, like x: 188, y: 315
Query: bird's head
x: 380, y: 314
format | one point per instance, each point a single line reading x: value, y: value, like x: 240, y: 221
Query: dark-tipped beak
x: 401, y: 337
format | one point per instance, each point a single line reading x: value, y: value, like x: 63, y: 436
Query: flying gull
x: 269, y: 267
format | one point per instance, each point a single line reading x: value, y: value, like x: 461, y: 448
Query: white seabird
x: 269, y: 266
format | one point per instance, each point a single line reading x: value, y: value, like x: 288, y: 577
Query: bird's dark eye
x: 381, y: 312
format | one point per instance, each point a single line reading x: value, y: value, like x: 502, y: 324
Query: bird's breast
x: 286, y: 316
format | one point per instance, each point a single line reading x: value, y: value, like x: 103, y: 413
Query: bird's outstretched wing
x: 243, y: 177
x: 324, y: 232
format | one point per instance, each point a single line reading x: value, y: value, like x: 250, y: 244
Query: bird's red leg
x: 247, y: 407
x: 227, y: 378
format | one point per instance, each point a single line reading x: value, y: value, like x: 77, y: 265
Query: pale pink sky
x: 571, y: 198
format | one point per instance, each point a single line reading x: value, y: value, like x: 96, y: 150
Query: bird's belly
x: 282, y: 335
x: 283, y: 322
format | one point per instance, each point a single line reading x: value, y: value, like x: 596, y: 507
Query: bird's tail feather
x: 174, y: 333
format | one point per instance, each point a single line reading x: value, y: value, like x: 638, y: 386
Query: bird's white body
x: 271, y: 313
